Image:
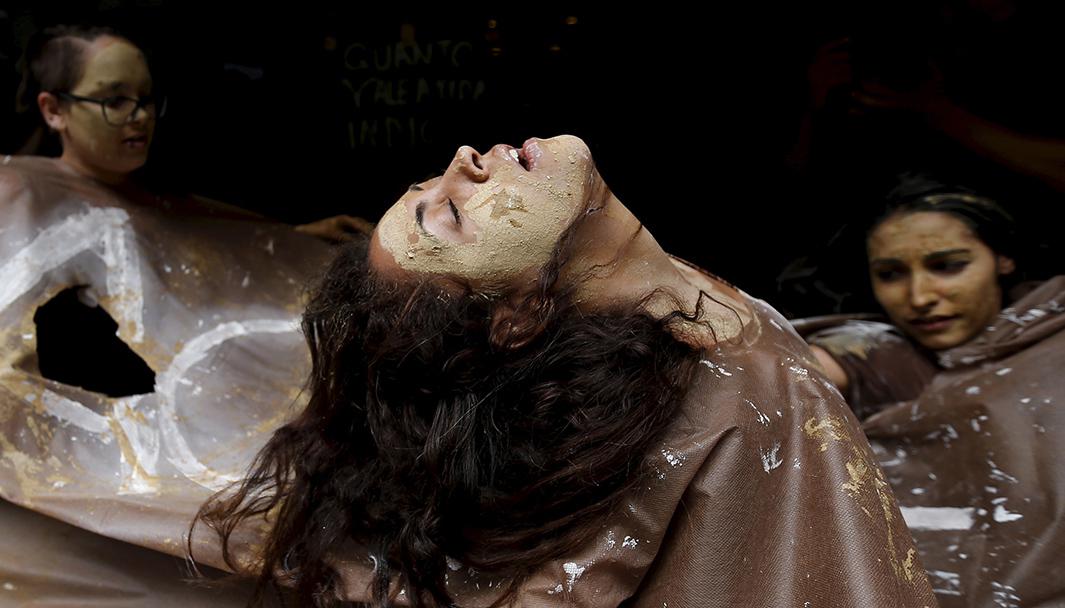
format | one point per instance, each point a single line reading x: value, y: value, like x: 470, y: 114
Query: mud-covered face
x: 490, y: 218
x: 935, y: 279
x: 113, y: 67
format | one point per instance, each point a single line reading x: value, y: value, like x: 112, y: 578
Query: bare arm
x: 831, y: 368
x: 1039, y: 157
x: 337, y: 229
x: 829, y: 69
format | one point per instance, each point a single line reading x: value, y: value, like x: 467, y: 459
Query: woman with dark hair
x: 95, y: 93
x: 100, y: 403
x: 960, y: 392
x: 518, y: 398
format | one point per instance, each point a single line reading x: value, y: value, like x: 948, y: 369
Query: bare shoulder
x: 13, y: 181
x: 831, y: 367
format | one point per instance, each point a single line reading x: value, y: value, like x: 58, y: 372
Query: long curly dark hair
x: 444, y: 423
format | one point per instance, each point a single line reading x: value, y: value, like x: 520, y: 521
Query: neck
x: 94, y: 173
x: 634, y: 268
x: 622, y: 263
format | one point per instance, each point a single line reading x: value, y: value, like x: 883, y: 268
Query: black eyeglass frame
x: 158, y: 105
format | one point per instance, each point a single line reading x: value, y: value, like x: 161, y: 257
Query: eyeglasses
x: 120, y: 110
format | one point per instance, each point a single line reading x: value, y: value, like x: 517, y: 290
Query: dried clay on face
x: 518, y: 216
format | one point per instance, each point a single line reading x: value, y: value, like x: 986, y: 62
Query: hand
x: 924, y: 99
x: 830, y: 69
x: 337, y: 229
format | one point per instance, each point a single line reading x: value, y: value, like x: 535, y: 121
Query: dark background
x: 303, y: 110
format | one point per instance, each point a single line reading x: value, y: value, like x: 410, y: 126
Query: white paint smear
x: 998, y: 474
x: 945, y: 583
x: 1002, y: 515
x: 674, y: 459
x: 1005, y: 596
x: 104, y: 232
x: 143, y: 441
x: 72, y: 412
x: 715, y: 368
x: 610, y: 540
x: 938, y: 518
x: 770, y: 458
x: 573, y: 572
x: 194, y: 351
x: 761, y: 417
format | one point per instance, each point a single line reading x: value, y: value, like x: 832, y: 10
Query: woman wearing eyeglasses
x: 95, y: 91
x: 176, y: 279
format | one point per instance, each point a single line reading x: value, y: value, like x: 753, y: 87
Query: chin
x: 132, y: 165
x: 944, y: 342
x: 935, y: 345
x: 573, y: 142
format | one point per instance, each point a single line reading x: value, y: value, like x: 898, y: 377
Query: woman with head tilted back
x: 519, y: 399
x: 961, y: 391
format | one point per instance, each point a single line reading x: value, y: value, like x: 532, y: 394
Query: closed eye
x: 455, y: 212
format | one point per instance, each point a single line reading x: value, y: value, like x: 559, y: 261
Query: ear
x: 49, y: 106
x: 1005, y: 265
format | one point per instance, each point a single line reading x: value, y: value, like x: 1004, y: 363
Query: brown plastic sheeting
x: 975, y: 456
x: 766, y: 493
x: 211, y: 301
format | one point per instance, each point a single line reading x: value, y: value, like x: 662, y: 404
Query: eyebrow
x: 935, y: 255
x: 113, y: 85
x: 945, y: 253
x: 116, y: 85
x: 415, y: 188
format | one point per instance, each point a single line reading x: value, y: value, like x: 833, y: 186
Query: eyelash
x: 419, y: 214
x: 455, y: 212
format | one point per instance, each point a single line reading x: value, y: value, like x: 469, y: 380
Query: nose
x: 469, y: 163
x: 458, y: 183
x: 924, y: 292
x: 141, y: 114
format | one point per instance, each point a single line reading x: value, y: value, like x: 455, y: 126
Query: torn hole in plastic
x: 78, y: 345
